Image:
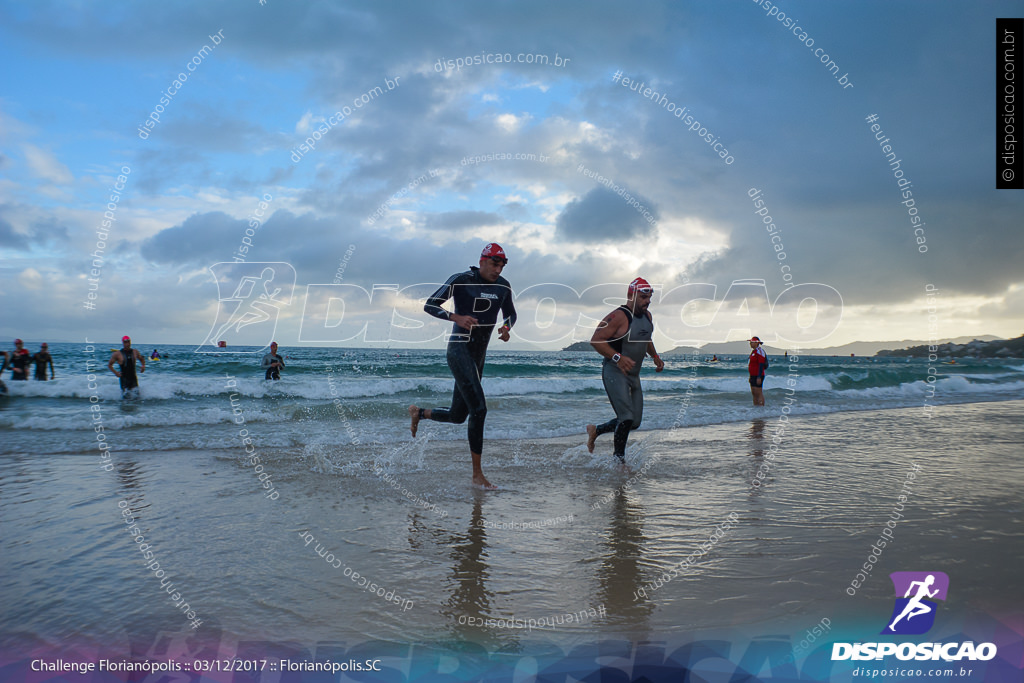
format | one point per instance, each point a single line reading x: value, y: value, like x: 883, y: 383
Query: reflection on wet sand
x: 470, y: 602
x: 620, y: 574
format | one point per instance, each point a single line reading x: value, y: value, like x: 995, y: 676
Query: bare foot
x: 414, y: 416
x: 480, y: 480
x: 591, y: 437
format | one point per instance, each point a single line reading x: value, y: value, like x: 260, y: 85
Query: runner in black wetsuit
x: 480, y: 294
x: 624, y: 337
x: 20, y: 361
x: 272, y: 363
x: 42, y: 359
x: 126, y: 358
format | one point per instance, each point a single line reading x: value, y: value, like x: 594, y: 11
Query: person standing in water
x: 19, y: 362
x: 272, y: 363
x: 756, y: 366
x: 479, y: 294
x: 41, y: 359
x: 624, y: 338
x: 126, y: 358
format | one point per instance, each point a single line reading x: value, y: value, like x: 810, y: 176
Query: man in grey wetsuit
x: 272, y: 363
x: 480, y: 296
x: 624, y: 337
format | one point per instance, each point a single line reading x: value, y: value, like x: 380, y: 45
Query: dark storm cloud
x: 11, y: 239
x: 42, y: 231
x: 49, y: 230
x: 602, y: 215
x: 200, y: 239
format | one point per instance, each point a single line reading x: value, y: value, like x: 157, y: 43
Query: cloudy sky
x: 410, y: 107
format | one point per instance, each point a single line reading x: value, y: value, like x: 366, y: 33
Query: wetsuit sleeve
x: 508, y: 309
x: 265, y: 363
x: 444, y: 292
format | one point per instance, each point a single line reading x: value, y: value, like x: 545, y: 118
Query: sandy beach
x: 391, y: 544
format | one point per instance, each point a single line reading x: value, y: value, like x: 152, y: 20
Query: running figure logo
x: 248, y: 317
x: 915, y: 614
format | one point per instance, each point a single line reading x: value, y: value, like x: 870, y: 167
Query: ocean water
x: 350, y: 532
x: 331, y: 397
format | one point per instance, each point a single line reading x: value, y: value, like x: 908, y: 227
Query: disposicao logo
x: 914, y: 614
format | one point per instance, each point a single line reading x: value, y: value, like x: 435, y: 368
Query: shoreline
x: 570, y: 441
x: 456, y: 439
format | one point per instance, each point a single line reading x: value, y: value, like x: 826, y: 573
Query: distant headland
x: 987, y: 346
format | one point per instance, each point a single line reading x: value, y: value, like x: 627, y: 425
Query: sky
x: 558, y: 130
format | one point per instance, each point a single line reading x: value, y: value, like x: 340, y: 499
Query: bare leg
x: 414, y: 417
x: 591, y: 437
x: 478, y: 475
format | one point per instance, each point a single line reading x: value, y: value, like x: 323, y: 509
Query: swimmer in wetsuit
x: 624, y: 337
x: 272, y: 363
x: 125, y: 358
x: 479, y: 294
x: 19, y: 361
x: 42, y: 359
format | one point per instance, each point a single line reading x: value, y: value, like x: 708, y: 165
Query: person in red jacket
x: 756, y: 366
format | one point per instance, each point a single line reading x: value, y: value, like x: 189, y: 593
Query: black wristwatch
x: 616, y: 357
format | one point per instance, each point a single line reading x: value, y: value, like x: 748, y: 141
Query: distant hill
x: 872, y: 348
x: 976, y: 348
x: 856, y: 348
x: 738, y: 348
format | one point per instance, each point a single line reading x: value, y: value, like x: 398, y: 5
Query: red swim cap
x: 640, y: 285
x: 493, y: 250
x: 126, y: 338
x: 757, y: 339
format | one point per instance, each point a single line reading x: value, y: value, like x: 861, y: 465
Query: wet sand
x: 568, y: 533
